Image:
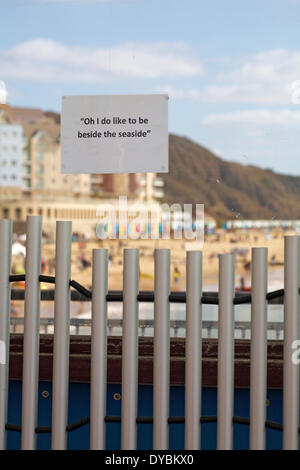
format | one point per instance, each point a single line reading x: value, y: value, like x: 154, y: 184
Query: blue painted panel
x: 79, y: 404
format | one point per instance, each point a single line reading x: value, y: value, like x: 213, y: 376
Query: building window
x: 41, y: 143
x: 40, y: 169
x: 40, y: 183
x: 18, y: 213
x: 27, y: 183
x: 5, y: 213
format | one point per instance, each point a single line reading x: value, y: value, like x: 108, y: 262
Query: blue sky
x: 230, y: 67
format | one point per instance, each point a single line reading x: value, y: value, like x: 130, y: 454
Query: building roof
x: 9, y: 111
x: 29, y: 115
x: 48, y: 126
x: 32, y: 120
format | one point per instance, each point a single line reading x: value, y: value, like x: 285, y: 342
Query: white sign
x: 114, y: 134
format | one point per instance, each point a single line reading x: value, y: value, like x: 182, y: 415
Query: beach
x: 239, y: 242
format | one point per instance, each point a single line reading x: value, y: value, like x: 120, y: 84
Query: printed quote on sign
x: 114, y: 134
x: 99, y: 127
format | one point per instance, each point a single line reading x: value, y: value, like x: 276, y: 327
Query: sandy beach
x: 239, y: 242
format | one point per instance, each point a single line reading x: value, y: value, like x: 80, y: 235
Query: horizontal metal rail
x: 209, y: 325
x: 144, y: 420
x: 81, y: 294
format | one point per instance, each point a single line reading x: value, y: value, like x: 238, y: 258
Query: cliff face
x: 227, y: 189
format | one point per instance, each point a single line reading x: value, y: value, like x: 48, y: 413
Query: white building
x: 11, y: 155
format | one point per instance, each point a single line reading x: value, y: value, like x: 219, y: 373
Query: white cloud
x: 179, y: 93
x: 266, y: 77
x: 256, y: 93
x: 275, y: 65
x: 251, y: 94
x: 49, y: 61
x: 254, y: 118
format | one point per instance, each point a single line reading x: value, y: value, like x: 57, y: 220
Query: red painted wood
x: 80, y: 356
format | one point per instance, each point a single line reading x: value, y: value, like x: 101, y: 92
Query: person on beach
x: 176, y: 275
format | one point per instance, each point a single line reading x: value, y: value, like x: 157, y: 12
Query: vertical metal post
x: 258, y: 380
x: 130, y: 349
x: 5, y: 266
x: 226, y: 352
x: 291, y: 334
x: 61, y: 334
x: 99, y: 349
x: 161, y: 373
x: 31, y: 331
x: 193, y: 350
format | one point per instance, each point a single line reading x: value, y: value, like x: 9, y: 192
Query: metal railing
x: 80, y: 326
x: 130, y: 297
